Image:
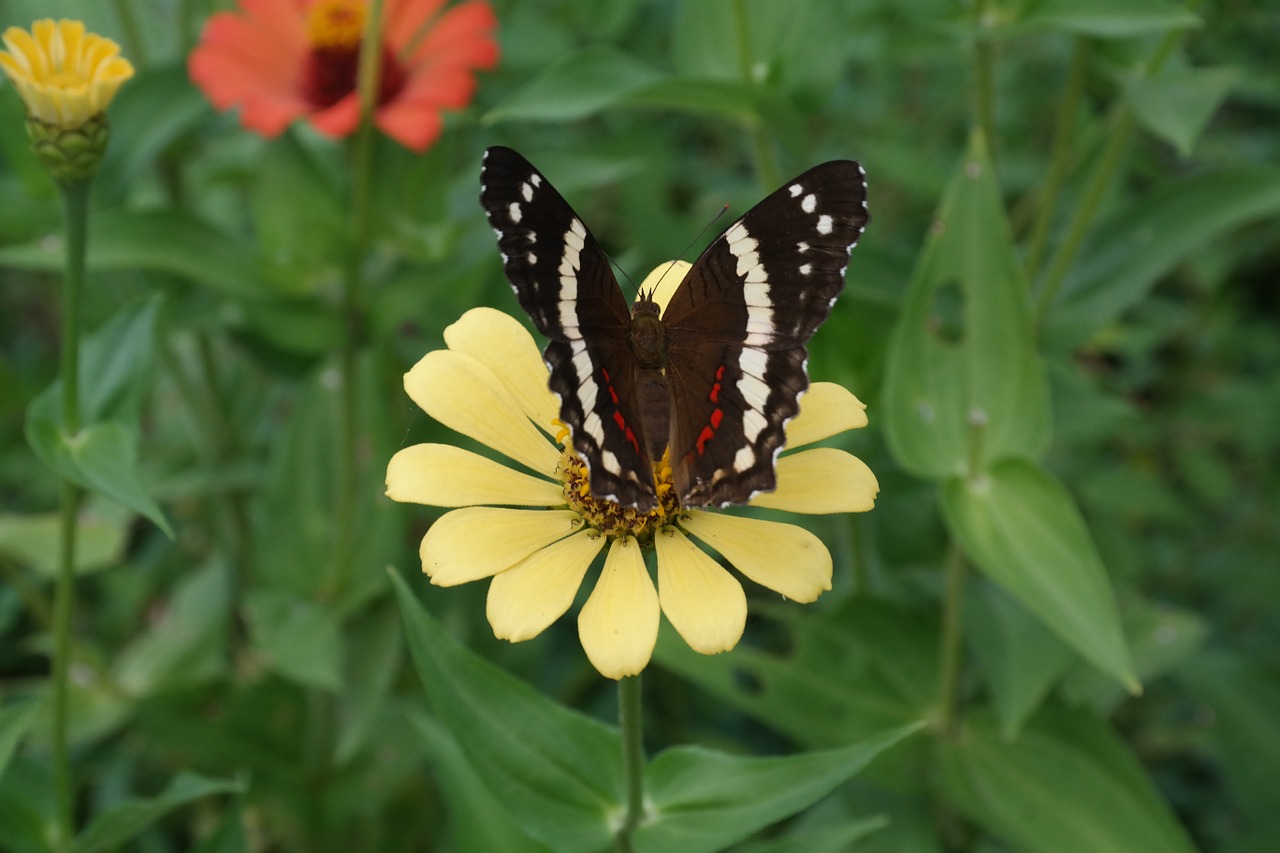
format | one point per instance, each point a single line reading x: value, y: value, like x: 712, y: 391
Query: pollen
x: 609, y: 517
x: 336, y: 23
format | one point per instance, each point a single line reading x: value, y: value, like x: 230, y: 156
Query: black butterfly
x: 716, y: 377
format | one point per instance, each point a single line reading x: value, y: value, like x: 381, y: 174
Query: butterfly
x: 714, y: 377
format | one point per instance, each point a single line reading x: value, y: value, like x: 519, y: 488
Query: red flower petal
x: 462, y: 36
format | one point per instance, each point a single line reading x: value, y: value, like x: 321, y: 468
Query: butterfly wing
x: 737, y: 328
x: 563, y: 280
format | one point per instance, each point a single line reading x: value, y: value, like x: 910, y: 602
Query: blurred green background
x: 1134, y: 146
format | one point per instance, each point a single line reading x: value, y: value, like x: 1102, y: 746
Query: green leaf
x: 1245, y: 700
x: 1144, y: 241
x: 1066, y: 784
x: 34, y: 539
x: 861, y: 669
x: 1162, y: 637
x: 165, y: 241
x: 184, y: 648
x: 298, y: 217
x: 114, y: 826
x: 964, y: 385
x: 478, y: 823
x: 580, y: 84
x: 1021, y: 659
x: 1176, y: 106
x: 102, y: 458
x: 556, y: 772
x: 826, y: 839
x: 1110, y: 18
x: 701, y: 800
x: 15, y: 720
x: 728, y: 99
x: 300, y: 639
x: 1022, y: 529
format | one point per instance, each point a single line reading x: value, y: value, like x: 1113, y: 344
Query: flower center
x: 334, y: 29
x: 613, y: 519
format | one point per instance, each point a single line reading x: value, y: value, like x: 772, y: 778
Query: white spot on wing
x: 805, y: 269
x: 744, y: 458
x: 824, y: 224
x: 795, y: 190
x: 610, y: 460
x: 809, y: 203
x: 535, y: 179
x: 526, y: 190
x: 533, y: 259
x: 802, y: 247
x: 514, y: 212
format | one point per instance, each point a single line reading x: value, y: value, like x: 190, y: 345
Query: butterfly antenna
x: 692, y: 243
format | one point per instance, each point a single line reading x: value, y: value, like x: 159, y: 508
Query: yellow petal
x: 820, y: 481
x: 478, y: 541
x: 500, y: 343
x: 825, y: 410
x: 618, y: 625
x: 703, y: 602
x: 464, y: 395
x: 444, y: 475
x: 783, y: 557
x: 664, y: 280
x: 532, y: 594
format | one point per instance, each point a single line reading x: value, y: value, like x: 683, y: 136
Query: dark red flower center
x: 331, y: 67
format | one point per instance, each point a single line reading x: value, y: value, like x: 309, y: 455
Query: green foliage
x: 1057, y: 631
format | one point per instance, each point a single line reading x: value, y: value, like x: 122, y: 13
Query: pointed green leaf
x: 1066, y: 784
x: 34, y: 539
x: 15, y: 720
x: 1021, y: 658
x: 838, y: 838
x: 299, y: 639
x: 701, y: 800
x: 1147, y: 239
x: 478, y: 823
x: 102, y: 458
x: 111, y: 828
x: 1022, y: 529
x: 861, y: 669
x: 578, y: 85
x: 1110, y: 18
x: 184, y: 647
x: 167, y: 241
x: 964, y: 383
x: 1177, y: 106
x: 556, y: 772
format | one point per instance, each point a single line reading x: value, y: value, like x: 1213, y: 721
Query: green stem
x: 1063, y: 132
x: 762, y: 151
x: 133, y: 42
x: 951, y: 643
x: 357, y: 249
x: 984, y: 60
x: 1100, y: 180
x: 631, y: 721
x: 75, y: 199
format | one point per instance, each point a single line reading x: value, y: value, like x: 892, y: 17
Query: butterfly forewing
x: 737, y: 328
x: 563, y: 280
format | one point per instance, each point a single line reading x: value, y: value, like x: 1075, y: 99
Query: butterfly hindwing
x: 563, y: 280
x: 737, y: 328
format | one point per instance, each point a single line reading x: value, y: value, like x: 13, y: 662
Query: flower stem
x: 630, y: 720
x: 951, y: 643
x: 357, y: 249
x: 75, y: 201
x: 1063, y: 133
x: 984, y: 61
x: 766, y: 165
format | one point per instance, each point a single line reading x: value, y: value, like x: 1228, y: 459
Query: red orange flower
x: 280, y: 60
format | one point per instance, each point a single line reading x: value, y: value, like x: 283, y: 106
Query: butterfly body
x: 712, y: 379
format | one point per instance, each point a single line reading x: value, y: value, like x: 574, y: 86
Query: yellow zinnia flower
x: 66, y: 77
x: 537, y: 534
